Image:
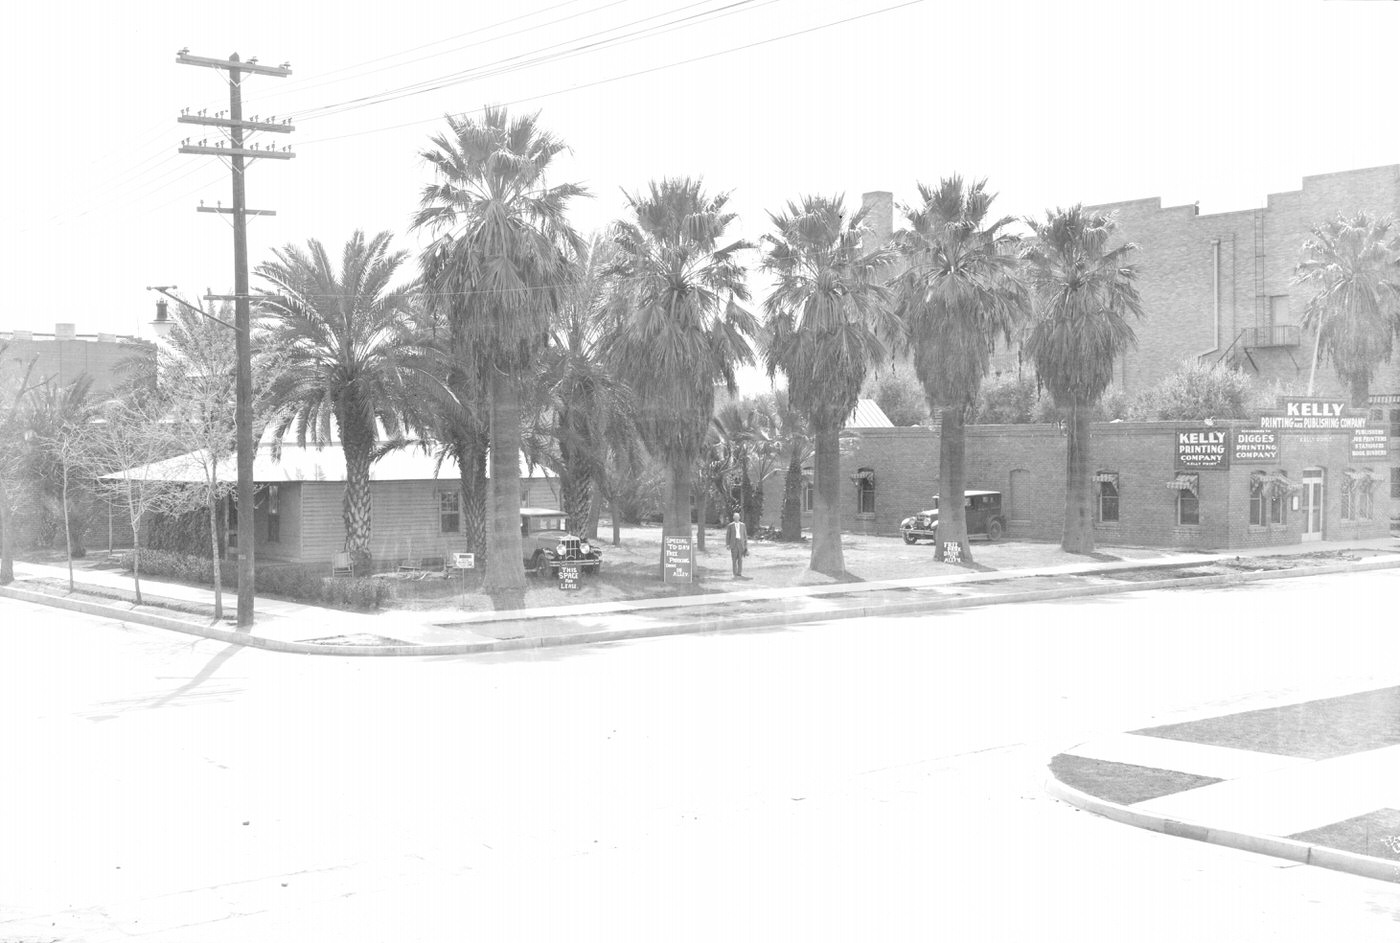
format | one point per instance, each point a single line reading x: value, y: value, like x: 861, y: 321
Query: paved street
x: 867, y: 779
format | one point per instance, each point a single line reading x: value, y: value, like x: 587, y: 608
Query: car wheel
x: 909, y: 537
x: 994, y: 531
x: 539, y: 564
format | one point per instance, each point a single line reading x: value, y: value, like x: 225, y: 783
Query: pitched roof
x: 869, y: 415
x: 309, y: 463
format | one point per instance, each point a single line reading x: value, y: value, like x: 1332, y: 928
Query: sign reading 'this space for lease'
x: 1201, y: 448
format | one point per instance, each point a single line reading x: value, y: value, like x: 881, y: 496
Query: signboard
x: 1385, y: 399
x: 1306, y: 414
x: 1256, y: 445
x: 568, y: 577
x: 677, y: 559
x: 1201, y: 448
x: 1369, y: 443
x: 464, y: 561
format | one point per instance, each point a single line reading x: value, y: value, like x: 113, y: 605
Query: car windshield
x: 547, y: 523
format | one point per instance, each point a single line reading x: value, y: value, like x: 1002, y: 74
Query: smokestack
x: 161, y: 325
x: 879, y: 216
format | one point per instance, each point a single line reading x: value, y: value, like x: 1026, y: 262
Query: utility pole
x: 234, y: 126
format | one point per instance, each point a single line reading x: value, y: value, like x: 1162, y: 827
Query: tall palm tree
x: 500, y: 254
x: 960, y: 292
x: 681, y: 332
x: 1351, y: 262
x: 589, y: 411
x: 824, y: 318
x: 340, y: 333
x: 1085, y: 293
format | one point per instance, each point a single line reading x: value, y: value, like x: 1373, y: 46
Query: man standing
x: 736, y: 538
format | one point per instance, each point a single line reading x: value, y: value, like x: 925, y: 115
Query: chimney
x: 161, y: 325
x: 879, y: 207
x: 65, y: 332
x: 24, y: 336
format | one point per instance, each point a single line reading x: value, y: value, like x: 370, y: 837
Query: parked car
x: 548, y: 543
x: 984, y: 518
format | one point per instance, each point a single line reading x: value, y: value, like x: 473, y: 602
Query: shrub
x: 359, y: 592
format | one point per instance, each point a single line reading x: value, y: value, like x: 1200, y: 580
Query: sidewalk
x: 1316, y: 782
x: 295, y: 627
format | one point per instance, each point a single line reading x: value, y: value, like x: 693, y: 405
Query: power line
x: 629, y: 75
x: 543, y: 56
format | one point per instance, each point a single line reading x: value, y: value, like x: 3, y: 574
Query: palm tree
x: 1351, y: 262
x: 1084, y: 294
x: 681, y: 332
x: 824, y: 318
x: 499, y: 258
x: 961, y: 291
x: 341, y: 335
x: 589, y: 411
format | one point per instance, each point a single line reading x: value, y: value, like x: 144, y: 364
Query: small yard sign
x: 677, y: 559
x: 464, y: 561
x: 568, y: 577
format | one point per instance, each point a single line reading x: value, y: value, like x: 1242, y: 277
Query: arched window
x: 865, y: 491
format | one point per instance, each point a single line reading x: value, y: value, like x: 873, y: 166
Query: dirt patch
x: 1122, y: 783
x: 1316, y: 730
x: 360, y: 638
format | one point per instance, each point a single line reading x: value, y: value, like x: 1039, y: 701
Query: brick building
x: 1216, y: 288
x: 1283, y: 480
x: 65, y: 355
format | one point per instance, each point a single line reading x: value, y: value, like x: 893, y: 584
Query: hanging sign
x: 1370, y: 443
x: 1201, y: 448
x: 1256, y: 445
x: 677, y: 559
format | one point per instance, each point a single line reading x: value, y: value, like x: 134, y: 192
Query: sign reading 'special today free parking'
x: 677, y: 559
x: 1201, y: 448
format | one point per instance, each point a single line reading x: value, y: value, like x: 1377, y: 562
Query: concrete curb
x: 1286, y: 848
x: 706, y: 624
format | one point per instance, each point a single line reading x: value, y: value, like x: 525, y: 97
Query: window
x: 865, y: 491
x: 1279, y: 490
x: 1258, y: 504
x: 1106, y: 511
x: 1365, y: 500
x: 1278, y: 311
x: 807, y: 496
x: 1188, y: 503
x: 524, y: 494
x: 1349, y: 494
x: 1395, y: 423
x: 1395, y: 482
x: 449, y: 511
x: 274, y: 515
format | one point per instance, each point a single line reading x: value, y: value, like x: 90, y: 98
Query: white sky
x: 1055, y: 103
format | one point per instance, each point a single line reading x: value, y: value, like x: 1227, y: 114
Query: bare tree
x: 125, y: 445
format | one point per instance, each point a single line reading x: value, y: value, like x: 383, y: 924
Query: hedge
x: 302, y: 581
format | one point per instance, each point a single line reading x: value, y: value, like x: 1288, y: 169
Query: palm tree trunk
x: 702, y: 512
x: 1079, y: 521
x: 792, y: 497
x: 827, y: 557
x: 952, y: 545
x: 67, y: 530
x: 675, y: 518
x: 505, y: 565
x: 1360, y: 390
x: 356, y: 506
x: 575, y: 489
x: 471, y: 467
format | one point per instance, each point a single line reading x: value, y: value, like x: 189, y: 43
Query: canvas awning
x: 1364, y: 477
x: 865, y: 474
x: 1272, y: 484
x: 1106, y: 478
x: 1184, y: 481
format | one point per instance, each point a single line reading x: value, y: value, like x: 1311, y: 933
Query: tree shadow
x: 203, y: 675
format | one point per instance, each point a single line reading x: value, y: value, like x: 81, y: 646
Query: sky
x: 1052, y: 102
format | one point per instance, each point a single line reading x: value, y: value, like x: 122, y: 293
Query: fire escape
x: 1265, y: 335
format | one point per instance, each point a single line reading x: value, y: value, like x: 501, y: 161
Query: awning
x: 1356, y: 475
x: 1106, y: 478
x: 1184, y: 482
x: 865, y: 474
x: 1272, y: 484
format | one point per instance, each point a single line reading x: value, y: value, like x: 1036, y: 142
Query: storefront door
x: 1312, y: 504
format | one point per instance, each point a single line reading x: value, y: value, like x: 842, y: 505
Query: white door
x: 1312, y: 504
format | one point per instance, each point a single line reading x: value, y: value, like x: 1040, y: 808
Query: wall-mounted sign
x: 1201, y: 448
x: 677, y: 559
x: 1369, y: 443
x: 1294, y: 413
x: 1256, y: 445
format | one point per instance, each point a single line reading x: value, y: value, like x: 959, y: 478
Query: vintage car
x: 548, y: 543
x: 984, y: 518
